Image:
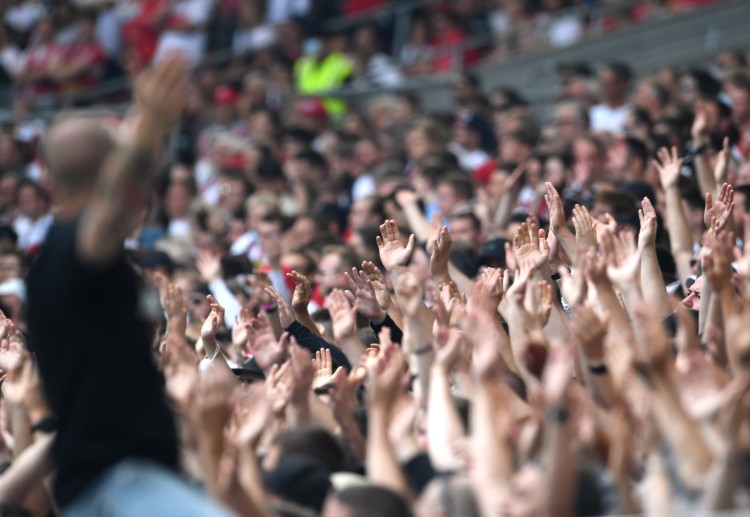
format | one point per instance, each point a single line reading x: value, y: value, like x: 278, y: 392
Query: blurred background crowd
x: 275, y: 168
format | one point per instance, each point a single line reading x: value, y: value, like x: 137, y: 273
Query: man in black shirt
x: 116, y: 447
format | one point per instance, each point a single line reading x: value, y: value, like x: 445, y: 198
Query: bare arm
x: 652, y: 281
x: 124, y: 187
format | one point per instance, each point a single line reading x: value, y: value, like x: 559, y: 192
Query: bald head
x: 74, y: 150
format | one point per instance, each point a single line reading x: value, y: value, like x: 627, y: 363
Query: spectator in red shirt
x: 83, y: 60
x: 42, y: 57
x: 449, y: 43
x: 141, y: 33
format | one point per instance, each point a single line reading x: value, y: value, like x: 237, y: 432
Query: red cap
x: 312, y: 108
x: 225, y: 95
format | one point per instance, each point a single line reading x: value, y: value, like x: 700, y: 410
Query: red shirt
x: 141, y: 33
x: 39, y: 59
x: 448, y: 53
x: 90, y: 53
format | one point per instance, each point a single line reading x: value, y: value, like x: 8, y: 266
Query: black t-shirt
x: 94, y: 355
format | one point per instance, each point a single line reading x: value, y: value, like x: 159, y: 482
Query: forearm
x: 419, y: 226
x: 27, y: 471
x: 567, y: 242
x: 691, y: 452
x: 444, y: 426
x: 351, y: 433
x: 493, y: 461
x: 122, y: 194
x: 313, y: 343
x: 677, y: 223
x: 250, y: 477
x: 463, y: 282
x: 382, y: 466
x: 705, y: 176
x: 652, y: 284
x: 306, y: 320
x: 560, y: 466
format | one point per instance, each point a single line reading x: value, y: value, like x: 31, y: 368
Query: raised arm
x: 652, y: 281
x: 125, y: 184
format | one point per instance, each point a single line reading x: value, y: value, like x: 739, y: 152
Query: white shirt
x: 248, y: 40
x: 189, y: 44
x: 281, y: 10
x: 32, y: 233
x: 606, y: 119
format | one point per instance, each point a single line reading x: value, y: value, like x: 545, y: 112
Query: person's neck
x: 69, y: 209
x: 615, y: 103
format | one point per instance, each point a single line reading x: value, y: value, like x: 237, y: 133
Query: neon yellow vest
x: 313, y: 77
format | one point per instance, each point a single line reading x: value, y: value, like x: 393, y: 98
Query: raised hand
x: 214, y: 320
x: 449, y: 351
x: 555, y: 207
x: 647, y: 218
x: 409, y: 294
x: 209, y: 266
x: 717, y: 214
x: 441, y: 250
x: 266, y: 349
x: 323, y: 366
x: 343, y: 315
x: 377, y: 278
x: 279, y: 387
x: 363, y: 295
x: 12, y: 352
x: 487, y: 292
x: 286, y: 316
x: 393, y: 251
x: 668, y: 166
x: 303, y: 291
x: 625, y: 263
x: 176, y: 308
x: 161, y: 93
x: 721, y: 168
x: 590, y: 331
x: 343, y: 396
x: 385, y: 377
x: 717, y: 259
x: 529, y: 244
x: 584, y: 226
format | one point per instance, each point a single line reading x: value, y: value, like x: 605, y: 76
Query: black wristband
x: 598, y: 368
x: 558, y: 415
x: 47, y: 424
x: 424, y: 350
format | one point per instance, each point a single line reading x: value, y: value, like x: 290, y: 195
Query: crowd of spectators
x: 375, y: 311
x: 52, y: 48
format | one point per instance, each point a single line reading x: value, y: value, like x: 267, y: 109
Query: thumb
x: 410, y: 244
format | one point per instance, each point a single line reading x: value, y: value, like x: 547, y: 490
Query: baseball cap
x: 225, y: 95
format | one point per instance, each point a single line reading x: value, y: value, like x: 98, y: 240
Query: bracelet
x: 558, y: 415
x: 598, y: 368
x: 424, y: 350
x: 269, y: 308
x: 46, y: 425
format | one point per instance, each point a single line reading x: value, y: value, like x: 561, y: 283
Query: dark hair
x: 622, y: 70
x: 637, y: 149
x: 373, y: 501
x: 468, y: 214
x: 269, y: 170
x: 461, y: 183
x: 312, y: 158
x: 313, y: 442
